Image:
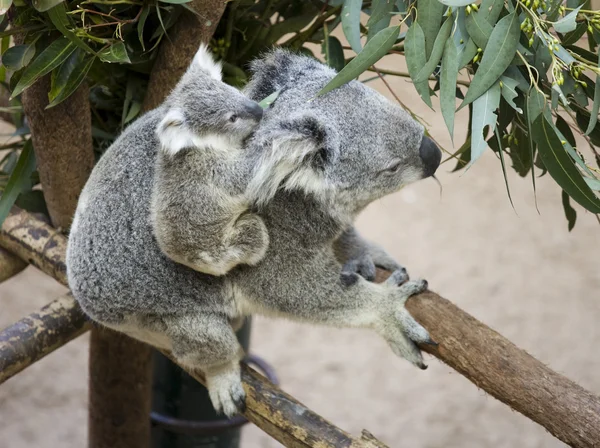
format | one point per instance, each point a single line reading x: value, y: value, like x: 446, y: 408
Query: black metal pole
x: 182, y: 414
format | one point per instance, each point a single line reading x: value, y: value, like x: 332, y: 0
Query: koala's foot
x: 401, y: 330
x: 226, y: 391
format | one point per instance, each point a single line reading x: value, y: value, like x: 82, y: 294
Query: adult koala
x: 317, y: 162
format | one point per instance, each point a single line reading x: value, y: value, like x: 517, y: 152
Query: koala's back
x: 114, y: 264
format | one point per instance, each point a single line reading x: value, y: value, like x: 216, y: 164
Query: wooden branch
x: 490, y: 361
x: 10, y: 265
x: 176, y: 52
x: 286, y: 419
x: 39, y: 334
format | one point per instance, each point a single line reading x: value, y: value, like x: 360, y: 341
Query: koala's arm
x: 361, y: 256
x: 312, y: 291
x: 202, y: 226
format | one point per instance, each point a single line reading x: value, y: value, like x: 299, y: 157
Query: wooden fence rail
x: 490, y: 361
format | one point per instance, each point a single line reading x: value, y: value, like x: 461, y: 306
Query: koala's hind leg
x: 207, y: 342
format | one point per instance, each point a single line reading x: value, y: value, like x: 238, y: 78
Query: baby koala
x: 200, y: 215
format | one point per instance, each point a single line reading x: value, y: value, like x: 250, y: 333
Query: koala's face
x: 204, y: 111
x: 350, y: 146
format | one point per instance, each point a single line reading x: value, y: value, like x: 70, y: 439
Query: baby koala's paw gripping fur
x: 401, y: 330
x: 226, y: 391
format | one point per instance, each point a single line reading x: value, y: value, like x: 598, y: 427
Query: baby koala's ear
x: 205, y: 61
x: 173, y: 134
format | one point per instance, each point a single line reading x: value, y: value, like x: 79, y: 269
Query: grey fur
x: 346, y: 149
x: 199, y: 217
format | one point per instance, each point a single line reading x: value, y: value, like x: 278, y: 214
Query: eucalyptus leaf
x: 570, y: 212
x: 334, y: 53
x: 509, y: 92
x: 381, y: 9
x: 594, y: 184
x: 448, y: 78
x: 596, y: 104
x: 19, y: 180
x: 59, y: 18
x: 503, y: 164
x: 17, y: 57
x: 455, y: 3
x: 141, y: 24
x: 73, y: 81
x: 436, y: 53
x: 479, y: 29
x: 351, y: 23
x: 374, y: 50
x: 499, y: 53
x: 567, y: 23
x: 430, y: 18
x: 4, y: 5
x: 560, y: 166
x: 414, y: 50
x: 115, y: 53
x: 484, y: 115
x: 175, y: 2
x: 45, y: 5
x: 54, y: 55
x: 266, y: 102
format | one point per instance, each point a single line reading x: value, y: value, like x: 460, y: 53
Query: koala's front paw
x: 226, y: 392
x: 403, y: 332
x: 362, y: 266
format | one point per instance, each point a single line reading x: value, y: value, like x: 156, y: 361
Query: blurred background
x: 520, y: 272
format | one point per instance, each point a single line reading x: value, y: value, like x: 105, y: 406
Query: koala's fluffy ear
x: 173, y: 134
x: 295, y: 155
x: 205, y: 61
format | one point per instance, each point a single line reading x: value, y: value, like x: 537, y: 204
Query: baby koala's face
x: 203, y: 111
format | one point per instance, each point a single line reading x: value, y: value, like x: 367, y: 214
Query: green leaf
x: 497, y: 57
x: 570, y: 212
x: 509, y: 92
x: 45, y: 5
x: 430, y: 18
x: 448, y: 84
x: 266, y: 102
x: 54, y: 55
x: 436, y: 52
x: 374, y: 50
x: 455, y: 3
x: 536, y: 103
x: 594, y: 184
x: 380, y: 10
x: 17, y: 57
x: 33, y: 201
x: 479, y: 29
x: 175, y: 2
x: 484, y: 115
x: 567, y: 23
x: 503, y: 164
x: 4, y: 5
x: 115, y: 53
x: 334, y: 53
x: 20, y: 180
x: 60, y: 19
x: 595, y: 105
x: 560, y: 166
x: 351, y: 23
x: 574, y: 36
x: 72, y: 82
x: 140, y: 25
x: 414, y: 50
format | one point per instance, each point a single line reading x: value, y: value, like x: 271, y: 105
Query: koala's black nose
x: 255, y: 111
x: 431, y: 156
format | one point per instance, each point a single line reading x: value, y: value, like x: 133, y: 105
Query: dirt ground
x: 520, y: 272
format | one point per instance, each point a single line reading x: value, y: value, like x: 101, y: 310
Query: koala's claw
x: 226, y: 393
x: 405, y: 333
